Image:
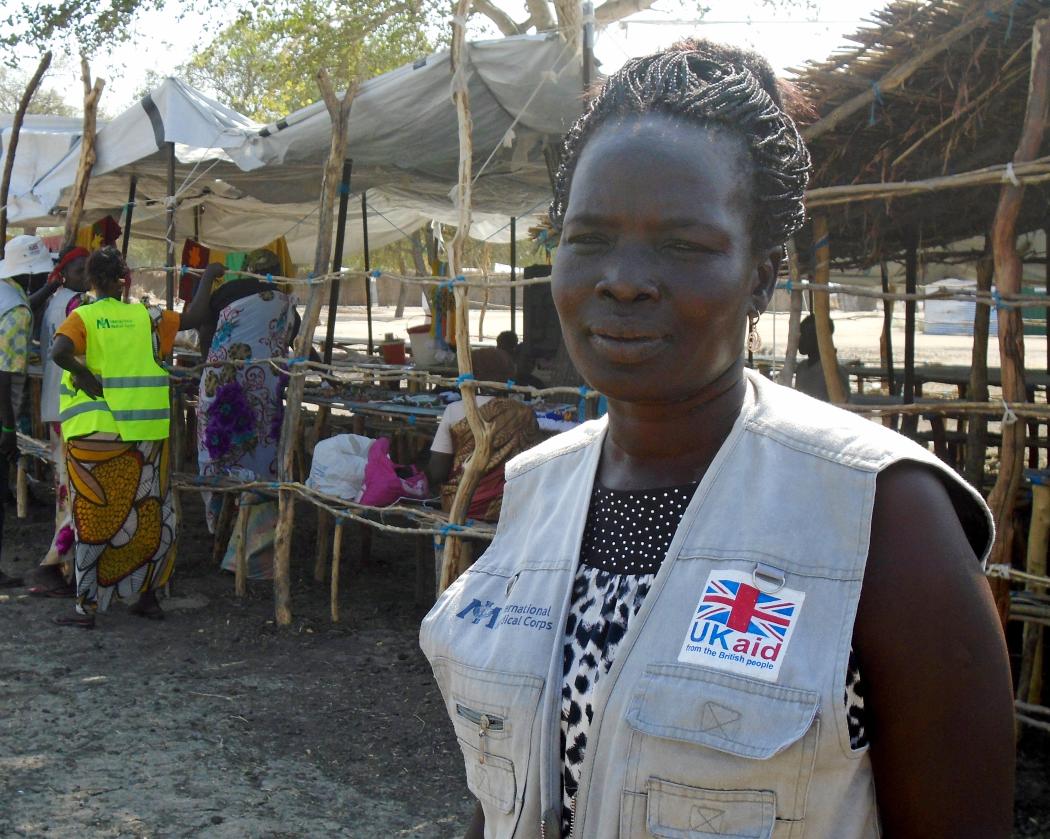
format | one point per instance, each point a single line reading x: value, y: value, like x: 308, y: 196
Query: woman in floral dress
x: 241, y: 399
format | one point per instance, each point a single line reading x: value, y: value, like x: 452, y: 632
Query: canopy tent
x: 241, y: 185
x: 43, y: 142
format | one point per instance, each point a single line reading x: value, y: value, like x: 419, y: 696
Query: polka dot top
x: 626, y: 537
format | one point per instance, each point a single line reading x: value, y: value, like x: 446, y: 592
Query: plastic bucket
x: 423, y: 348
x: 393, y: 352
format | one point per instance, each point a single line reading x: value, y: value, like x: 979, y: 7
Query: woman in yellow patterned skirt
x: 115, y: 418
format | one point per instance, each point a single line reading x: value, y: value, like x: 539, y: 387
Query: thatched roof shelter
x: 932, y: 88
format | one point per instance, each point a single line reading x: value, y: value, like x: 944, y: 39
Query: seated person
x: 525, y: 363
x: 514, y: 429
x: 809, y: 375
x: 508, y: 342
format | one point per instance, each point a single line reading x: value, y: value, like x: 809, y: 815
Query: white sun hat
x: 26, y: 255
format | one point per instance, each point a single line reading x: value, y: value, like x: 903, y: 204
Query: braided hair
x: 708, y: 84
x: 106, y: 269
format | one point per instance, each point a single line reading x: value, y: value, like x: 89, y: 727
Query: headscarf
x: 73, y: 255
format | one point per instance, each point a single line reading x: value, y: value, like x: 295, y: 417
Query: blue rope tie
x: 310, y: 278
x: 510, y: 384
x: 997, y: 300
x: 183, y: 270
x: 584, y: 390
x: 877, y: 101
x: 299, y: 359
x: 787, y: 286
x: 464, y: 377
x: 344, y: 189
x: 411, y: 419
x: 450, y: 528
x: 820, y: 243
x: 375, y: 275
x: 269, y: 278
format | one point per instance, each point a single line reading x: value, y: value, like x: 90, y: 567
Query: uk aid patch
x: 739, y: 628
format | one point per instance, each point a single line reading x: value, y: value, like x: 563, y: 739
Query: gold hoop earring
x: 754, y: 340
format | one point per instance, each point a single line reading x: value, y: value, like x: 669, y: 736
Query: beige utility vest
x: 723, y: 713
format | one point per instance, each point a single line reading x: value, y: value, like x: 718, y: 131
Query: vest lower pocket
x: 674, y: 811
x: 490, y: 777
x: 694, y: 728
x: 493, y: 713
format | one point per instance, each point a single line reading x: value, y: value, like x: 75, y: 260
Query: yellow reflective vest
x: 135, y: 398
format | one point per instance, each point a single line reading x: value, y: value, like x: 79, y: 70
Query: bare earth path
x: 213, y: 723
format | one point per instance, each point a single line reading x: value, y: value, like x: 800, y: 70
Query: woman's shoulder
x: 555, y: 449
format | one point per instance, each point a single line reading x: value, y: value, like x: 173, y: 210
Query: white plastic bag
x: 339, y: 466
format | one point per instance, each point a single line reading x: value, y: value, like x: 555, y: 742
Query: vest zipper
x: 484, y: 722
x: 572, y: 817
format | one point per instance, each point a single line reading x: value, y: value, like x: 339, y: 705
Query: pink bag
x: 386, y: 482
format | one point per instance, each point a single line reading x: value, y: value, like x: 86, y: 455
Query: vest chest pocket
x: 716, y: 755
x: 493, y: 713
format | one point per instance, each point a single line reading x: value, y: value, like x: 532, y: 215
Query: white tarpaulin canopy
x: 42, y: 143
x: 240, y: 185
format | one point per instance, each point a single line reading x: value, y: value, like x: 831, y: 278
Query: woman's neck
x: 670, y: 443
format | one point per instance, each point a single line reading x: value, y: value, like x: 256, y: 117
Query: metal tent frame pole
x: 514, y: 274
x: 169, y: 291
x: 337, y: 260
x: 368, y: 269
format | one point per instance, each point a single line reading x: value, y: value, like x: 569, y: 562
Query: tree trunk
x: 1011, y: 333
x: 829, y: 361
x: 338, y: 112
x: 456, y: 556
x: 12, y: 143
x: 977, y: 391
x: 92, y: 93
x: 787, y: 373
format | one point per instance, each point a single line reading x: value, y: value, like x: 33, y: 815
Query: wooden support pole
x: 337, y: 555
x: 1011, y: 331
x: 21, y: 490
x: 1030, y: 676
x: 829, y: 361
x: 911, y: 277
x: 339, y: 113
x: 324, y: 530
x: 787, y: 373
x: 92, y: 93
x: 12, y: 143
x: 886, y: 344
x: 456, y: 557
x: 977, y: 390
x: 240, y: 566
x: 223, y: 529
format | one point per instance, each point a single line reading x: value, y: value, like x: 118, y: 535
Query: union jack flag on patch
x: 740, y: 628
x: 744, y: 608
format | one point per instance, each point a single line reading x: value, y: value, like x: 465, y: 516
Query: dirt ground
x: 214, y: 723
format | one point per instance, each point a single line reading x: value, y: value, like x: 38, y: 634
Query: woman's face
x: 656, y: 271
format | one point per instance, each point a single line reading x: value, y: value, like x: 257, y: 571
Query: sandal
x: 81, y: 621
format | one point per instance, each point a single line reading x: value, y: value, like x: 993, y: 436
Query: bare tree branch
x: 504, y: 22
x: 540, y: 15
x: 613, y: 10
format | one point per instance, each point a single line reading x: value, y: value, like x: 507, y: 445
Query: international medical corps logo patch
x: 740, y: 628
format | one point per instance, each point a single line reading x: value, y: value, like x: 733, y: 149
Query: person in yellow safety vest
x: 114, y: 408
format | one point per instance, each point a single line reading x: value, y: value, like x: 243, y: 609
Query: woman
x: 241, y: 406
x: 67, y: 285
x: 513, y: 428
x: 659, y: 640
x: 114, y: 408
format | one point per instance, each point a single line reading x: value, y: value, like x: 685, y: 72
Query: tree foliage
x: 44, y: 101
x: 264, y: 64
